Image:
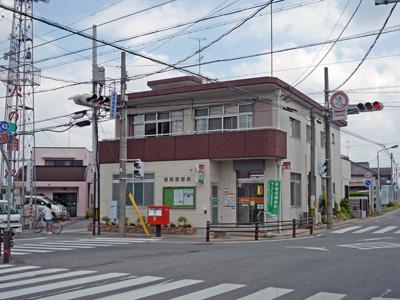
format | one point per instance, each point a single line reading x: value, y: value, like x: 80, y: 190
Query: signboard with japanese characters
x: 274, y: 197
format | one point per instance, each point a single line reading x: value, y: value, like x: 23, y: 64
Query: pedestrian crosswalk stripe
x: 69, y: 245
x: 78, y: 244
x: 104, y: 288
x: 397, y: 231
x: 41, y: 246
x: 30, y: 274
x: 385, y: 229
x: 45, y: 278
x: 128, y: 239
x: 210, y: 292
x: 15, y: 269
x: 30, y: 250
x: 346, y: 229
x: 152, y: 290
x: 20, y: 253
x: 380, y: 298
x: 267, y: 294
x: 5, y: 266
x: 368, y: 228
x: 95, y: 242
x: 326, y: 296
x: 58, y: 285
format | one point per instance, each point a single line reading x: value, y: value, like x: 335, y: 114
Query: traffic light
x: 91, y: 100
x: 138, y: 168
x: 322, y: 165
x: 370, y: 106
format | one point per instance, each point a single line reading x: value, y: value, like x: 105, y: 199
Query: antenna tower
x: 21, y: 78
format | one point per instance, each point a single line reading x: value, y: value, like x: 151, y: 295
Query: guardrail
x: 258, y: 228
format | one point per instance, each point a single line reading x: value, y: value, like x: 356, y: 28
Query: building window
x: 333, y: 187
x: 295, y: 128
x: 295, y: 189
x: 141, y: 188
x: 223, y: 117
x: 63, y: 162
x: 333, y: 139
x: 323, y: 139
x: 154, y: 124
x: 308, y: 134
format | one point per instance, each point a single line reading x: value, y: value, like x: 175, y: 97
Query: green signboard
x: 274, y: 197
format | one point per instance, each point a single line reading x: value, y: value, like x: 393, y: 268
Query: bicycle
x: 39, y: 224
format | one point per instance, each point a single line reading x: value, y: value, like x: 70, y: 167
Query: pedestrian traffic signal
x: 138, y: 168
x: 91, y: 100
x: 370, y: 106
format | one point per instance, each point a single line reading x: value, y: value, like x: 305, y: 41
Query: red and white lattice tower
x: 21, y: 78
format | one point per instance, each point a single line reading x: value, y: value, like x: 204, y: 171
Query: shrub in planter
x: 182, y: 220
x: 132, y: 224
x: 106, y: 220
x: 172, y: 225
x: 113, y: 223
x: 188, y: 225
x: 89, y: 213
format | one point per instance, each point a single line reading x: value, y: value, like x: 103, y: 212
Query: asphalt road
x: 358, y: 261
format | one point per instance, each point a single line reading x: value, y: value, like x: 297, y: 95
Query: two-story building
x: 210, y: 150
x: 65, y: 175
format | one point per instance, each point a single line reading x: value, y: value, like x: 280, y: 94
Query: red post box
x: 158, y: 215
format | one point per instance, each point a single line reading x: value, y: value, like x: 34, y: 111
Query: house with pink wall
x: 65, y: 175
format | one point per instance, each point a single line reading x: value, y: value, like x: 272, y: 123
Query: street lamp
x: 378, y: 192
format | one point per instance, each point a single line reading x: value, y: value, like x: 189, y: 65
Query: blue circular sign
x: 367, y: 182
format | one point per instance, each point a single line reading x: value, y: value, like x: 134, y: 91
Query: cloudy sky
x: 303, y: 31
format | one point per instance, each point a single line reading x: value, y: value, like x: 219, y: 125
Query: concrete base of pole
x: 7, y: 246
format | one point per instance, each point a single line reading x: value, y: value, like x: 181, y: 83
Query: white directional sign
x: 339, y: 101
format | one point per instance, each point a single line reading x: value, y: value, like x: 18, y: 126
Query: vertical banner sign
x: 113, y: 105
x: 274, y: 197
x: 200, y: 174
x: 29, y: 176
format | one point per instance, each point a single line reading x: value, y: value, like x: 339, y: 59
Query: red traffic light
x: 377, y: 105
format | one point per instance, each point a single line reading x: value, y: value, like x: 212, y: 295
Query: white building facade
x: 210, y: 150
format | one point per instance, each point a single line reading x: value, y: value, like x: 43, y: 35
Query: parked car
x: 15, y: 217
x: 41, y: 201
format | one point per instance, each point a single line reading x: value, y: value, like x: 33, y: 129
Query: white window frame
x: 227, y: 111
x: 294, y: 122
x: 173, y: 117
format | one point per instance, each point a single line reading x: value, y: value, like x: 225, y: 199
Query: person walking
x: 48, y: 217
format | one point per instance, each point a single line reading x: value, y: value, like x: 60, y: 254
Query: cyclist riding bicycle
x: 48, y: 218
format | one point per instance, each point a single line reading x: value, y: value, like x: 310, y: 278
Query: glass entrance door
x: 250, y: 205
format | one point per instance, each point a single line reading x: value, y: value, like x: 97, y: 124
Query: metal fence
x: 257, y: 228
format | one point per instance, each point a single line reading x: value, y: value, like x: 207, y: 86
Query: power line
x: 333, y: 44
x: 370, y: 48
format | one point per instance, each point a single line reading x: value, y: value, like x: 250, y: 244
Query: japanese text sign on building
x: 200, y: 174
x: 274, y: 196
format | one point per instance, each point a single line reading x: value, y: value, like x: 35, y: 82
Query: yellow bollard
x: 146, y: 231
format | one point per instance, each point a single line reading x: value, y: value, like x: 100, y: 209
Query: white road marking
x: 385, y: 229
x: 58, y: 285
x: 40, y: 247
x: 368, y: 228
x: 326, y: 296
x: 308, y: 248
x: 377, y: 239
x: 103, y: 288
x: 369, y: 246
x: 152, y: 290
x: 5, y: 266
x: 210, y: 292
x: 15, y: 269
x: 267, y: 294
x: 30, y: 274
x: 380, y: 298
x: 30, y: 250
x: 66, y: 245
x: 44, y: 279
x: 346, y: 229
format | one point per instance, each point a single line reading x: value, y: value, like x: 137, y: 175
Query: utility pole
x: 328, y: 154
x: 312, y: 182
x: 94, y: 131
x: 272, y: 40
x: 391, y: 176
x: 122, y: 150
